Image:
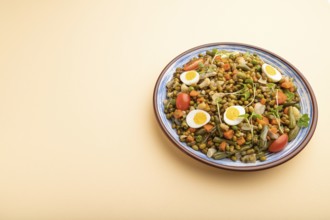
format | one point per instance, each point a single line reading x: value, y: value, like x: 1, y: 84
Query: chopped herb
x: 303, y: 121
x: 244, y: 116
x: 254, y: 115
x: 247, y: 94
x: 271, y: 85
x: 254, y: 95
x: 290, y: 96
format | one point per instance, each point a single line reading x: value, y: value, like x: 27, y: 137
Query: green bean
x: 245, y: 148
x: 292, y: 123
x: 219, y: 155
x: 293, y: 133
x: 201, y: 131
x: 216, y: 139
x: 217, y: 125
x: 287, y: 104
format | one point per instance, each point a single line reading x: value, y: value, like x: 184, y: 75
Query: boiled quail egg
x: 189, y: 77
x: 197, y: 118
x: 271, y: 72
x: 232, y: 113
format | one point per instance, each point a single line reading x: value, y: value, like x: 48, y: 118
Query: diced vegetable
x: 208, y: 127
x: 183, y: 101
x: 193, y: 93
x: 293, y: 133
x: 263, y: 121
x: 226, y: 66
x: 223, y: 145
x: 178, y: 113
x: 193, y: 64
x: 228, y: 134
x: 241, y: 141
x: 281, y: 97
x: 279, y: 144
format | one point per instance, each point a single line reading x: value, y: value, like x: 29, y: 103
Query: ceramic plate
x: 308, y: 106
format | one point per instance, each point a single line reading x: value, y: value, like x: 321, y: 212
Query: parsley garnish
x: 289, y: 95
x: 303, y: 121
x: 271, y: 85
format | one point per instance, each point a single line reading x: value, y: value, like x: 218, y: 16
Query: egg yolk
x: 199, y: 118
x: 190, y: 75
x: 270, y: 70
x: 232, y: 113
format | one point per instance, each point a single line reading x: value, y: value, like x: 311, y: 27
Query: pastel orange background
x: 78, y: 136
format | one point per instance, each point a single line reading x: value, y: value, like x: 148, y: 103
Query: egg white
x: 236, y: 121
x: 189, y: 82
x: 190, y: 118
x: 277, y: 77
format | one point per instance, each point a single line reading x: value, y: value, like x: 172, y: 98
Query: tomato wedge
x: 192, y: 65
x: 279, y: 143
x: 182, y: 101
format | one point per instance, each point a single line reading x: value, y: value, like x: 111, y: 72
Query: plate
x: 308, y: 106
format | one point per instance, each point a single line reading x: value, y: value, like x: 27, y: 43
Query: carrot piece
x: 263, y: 121
x: 190, y: 138
x: 227, y: 76
x: 240, y: 141
x: 223, y: 145
x: 208, y: 127
x: 281, y: 97
x: 192, y: 130
x: 178, y: 113
x: 228, y: 134
x: 263, y: 101
x: 286, y: 110
x: 273, y: 121
x: 274, y: 129
x: 194, y: 93
x: 226, y: 66
x: 218, y: 58
x: 192, y: 65
x: 287, y: 84
x: 292, y: 89
x: 200, y: 100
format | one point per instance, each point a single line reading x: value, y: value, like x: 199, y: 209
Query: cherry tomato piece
x: 182, y: 101
x: 279, y: 143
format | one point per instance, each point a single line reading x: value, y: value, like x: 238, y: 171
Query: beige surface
x: 78, y: 137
